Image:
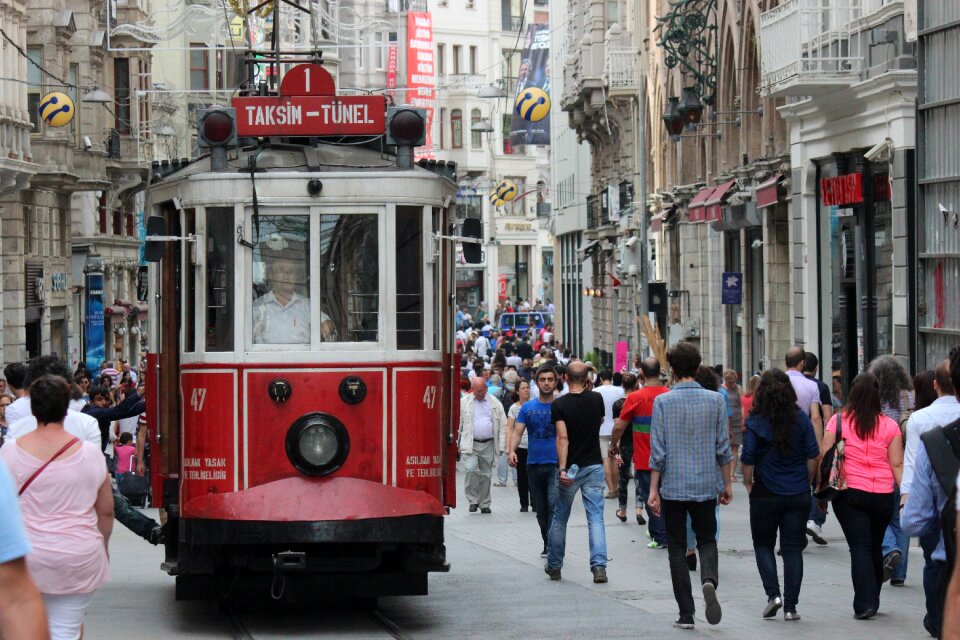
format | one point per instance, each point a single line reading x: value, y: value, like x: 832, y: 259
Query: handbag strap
x: 36, y: 473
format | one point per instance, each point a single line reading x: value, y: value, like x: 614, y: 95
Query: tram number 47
x: 197, y: 398
x: 430, y: 396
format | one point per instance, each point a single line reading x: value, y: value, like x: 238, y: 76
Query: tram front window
x: 350, y: 276
x: 281, y: 303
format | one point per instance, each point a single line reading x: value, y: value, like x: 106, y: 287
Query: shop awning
x: 696, y: 206
x: 712, y: 212
x: 767, y: 193
x: 663, y: 217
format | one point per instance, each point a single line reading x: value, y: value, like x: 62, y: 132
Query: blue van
x: 520, y: 322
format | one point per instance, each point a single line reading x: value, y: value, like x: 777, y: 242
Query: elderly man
x: 482, y: 420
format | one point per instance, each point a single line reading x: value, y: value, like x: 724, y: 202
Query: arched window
x: 476, y: 137
x: 456, y: 128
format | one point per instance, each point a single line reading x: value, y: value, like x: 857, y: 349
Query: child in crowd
x: 124, y: 454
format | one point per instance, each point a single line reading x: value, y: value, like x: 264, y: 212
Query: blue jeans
x: 692, y: 538
x: 543, y: 494
x: 658, y: 530
x: 131, y: 518
x: 895, y: 539
x: 788, y: 514
x: 931, y: 579
x: 591, y: 484
x: 818, y: 516
x: 864, y: 516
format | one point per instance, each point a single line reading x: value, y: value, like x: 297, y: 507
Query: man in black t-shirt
x: 578, y: 416
x: 817, y: 517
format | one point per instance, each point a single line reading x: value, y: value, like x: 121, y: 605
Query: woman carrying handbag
x: 67, y: 505
x: 872, y: 462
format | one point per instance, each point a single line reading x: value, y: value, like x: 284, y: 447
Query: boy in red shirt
x: 637, y: 411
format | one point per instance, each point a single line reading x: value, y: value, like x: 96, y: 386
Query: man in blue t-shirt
x: 21, y: 608
x: 534, y: 417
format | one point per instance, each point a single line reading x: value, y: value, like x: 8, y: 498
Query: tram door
x: 169, y: 333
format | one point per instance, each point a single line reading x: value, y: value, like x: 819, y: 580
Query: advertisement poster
x: 534, y: 72
x: 93, y: 323
x: 421, y: 75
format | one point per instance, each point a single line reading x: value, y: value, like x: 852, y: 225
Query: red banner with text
x: 421, y: 75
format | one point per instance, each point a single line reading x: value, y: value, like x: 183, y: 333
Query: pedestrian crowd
x: 883, y: 458
x: 73, y: 454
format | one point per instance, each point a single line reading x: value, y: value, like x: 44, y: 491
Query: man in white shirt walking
x: 611, y: 394
x: 482, y: 420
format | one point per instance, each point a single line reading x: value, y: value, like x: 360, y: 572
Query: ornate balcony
x: 621, y: 73
x: 808, y: 48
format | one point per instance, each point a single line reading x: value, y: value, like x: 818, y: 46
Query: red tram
x: 304, y: 386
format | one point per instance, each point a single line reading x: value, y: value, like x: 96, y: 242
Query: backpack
x: 943, y: 449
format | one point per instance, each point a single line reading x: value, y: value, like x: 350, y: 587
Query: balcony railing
x: 621, y: 70
x: 808, y: 49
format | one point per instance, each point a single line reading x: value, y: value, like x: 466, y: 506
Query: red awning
x: 713, y: 204
x: 696, y: 205
x: 767, y: 193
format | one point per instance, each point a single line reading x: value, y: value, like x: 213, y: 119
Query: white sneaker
x: 814, y: 531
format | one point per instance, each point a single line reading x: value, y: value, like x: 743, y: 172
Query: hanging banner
x: 93, y: 322
x: 534, y: 72
x: 421, y: 77
x: 392, y: 54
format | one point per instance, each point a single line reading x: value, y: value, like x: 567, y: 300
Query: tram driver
x: 282, y: 315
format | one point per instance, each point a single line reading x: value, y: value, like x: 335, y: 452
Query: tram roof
x: 319, y: 158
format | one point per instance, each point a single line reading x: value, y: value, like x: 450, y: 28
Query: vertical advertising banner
x: 392, y: 66
x: 534, y: 72
x: 93, y: 323
x: 421, y: 75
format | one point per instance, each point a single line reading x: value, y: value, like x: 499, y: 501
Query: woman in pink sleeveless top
x: 873, y: 462
x: 67, y: 509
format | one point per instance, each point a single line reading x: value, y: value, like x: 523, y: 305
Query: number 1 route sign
x: 308, y: 106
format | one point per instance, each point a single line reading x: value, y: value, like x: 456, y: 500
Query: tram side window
x: 220, y: 243
x: 281, y: 283
x: 409, y: 278
x: 350, y: 278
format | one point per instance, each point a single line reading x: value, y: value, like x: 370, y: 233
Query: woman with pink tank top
x: 67, y: 505
x: 873, y: 462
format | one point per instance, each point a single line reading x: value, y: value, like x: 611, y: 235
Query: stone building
x: 81, y: 197
x: 602, y: 101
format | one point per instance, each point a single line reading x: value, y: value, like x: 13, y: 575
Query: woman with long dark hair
x: 519, y: 396
x: 779, y: 461
x: 873, y: 464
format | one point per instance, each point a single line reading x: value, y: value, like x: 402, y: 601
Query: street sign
x: 731, y: 291
x: 310, y: 115
x: 308, y: 106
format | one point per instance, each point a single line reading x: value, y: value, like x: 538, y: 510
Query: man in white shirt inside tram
x: 282, y: 315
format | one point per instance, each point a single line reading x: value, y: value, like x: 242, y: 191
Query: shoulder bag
x: 36, y: 473
x: 832, y: 477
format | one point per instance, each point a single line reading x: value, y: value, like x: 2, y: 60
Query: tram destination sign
x: 310, y: 115
x: 308, y: 105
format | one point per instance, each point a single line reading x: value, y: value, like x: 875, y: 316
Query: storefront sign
x: 846, y: 189
x: 58, y: 282
x: 518, y: 226
x: 731, y: 290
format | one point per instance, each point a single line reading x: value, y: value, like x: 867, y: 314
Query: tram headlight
x: 317, y: 444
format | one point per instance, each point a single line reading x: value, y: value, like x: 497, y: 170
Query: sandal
x: 622, y: 515
x: 640, y: 519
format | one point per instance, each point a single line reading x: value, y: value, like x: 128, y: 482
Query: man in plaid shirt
x: 690, y: 466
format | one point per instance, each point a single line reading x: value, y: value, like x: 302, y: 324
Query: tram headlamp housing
x: 317, y: 444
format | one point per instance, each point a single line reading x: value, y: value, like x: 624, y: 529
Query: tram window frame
x: 408, y: 243
x: 319, y: 266
x: 437, y: 327
x: 220, y: 254
x: 189, y: 290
